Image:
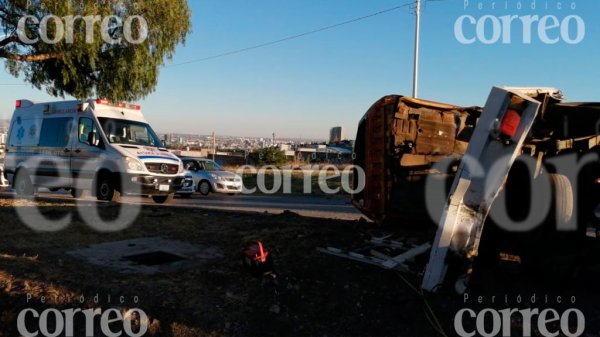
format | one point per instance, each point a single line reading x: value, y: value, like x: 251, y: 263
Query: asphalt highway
x: 334, y: 207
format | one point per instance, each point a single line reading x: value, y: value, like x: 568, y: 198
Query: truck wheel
x: 107, y: 191
x: 163, y: 199
x: 547, y: 253
x: 563, y: 198
x: 22, y: 184
x: 204, y: 187
x: 537, y: 249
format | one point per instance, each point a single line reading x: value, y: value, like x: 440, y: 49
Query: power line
x: 293, y: 37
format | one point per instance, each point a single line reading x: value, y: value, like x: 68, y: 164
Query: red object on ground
x: 256, y: 252
x: 257, y: 259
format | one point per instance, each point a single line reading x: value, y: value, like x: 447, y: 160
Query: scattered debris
x: 384, y: 252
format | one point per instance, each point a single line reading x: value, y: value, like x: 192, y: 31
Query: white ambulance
x: 98, y: 146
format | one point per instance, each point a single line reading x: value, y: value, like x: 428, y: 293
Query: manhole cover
x: 154, y: 258
x: 147, y: 255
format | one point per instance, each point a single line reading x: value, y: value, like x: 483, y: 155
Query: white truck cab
x: 95, y: 145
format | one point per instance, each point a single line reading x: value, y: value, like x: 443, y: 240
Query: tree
x: 98, y: 48
x: 269, y: 156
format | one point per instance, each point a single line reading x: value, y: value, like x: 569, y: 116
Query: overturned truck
x: 511, y: 179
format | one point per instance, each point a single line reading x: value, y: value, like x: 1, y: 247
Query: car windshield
x: 210, y: 165
x: 120, y: 131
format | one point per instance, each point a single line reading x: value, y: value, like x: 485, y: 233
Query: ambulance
x: 99, y: 146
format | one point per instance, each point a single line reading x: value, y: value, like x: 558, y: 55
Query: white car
x: 209, y: 176
x: 188, y: 187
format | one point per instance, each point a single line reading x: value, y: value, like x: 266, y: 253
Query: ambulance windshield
x: 120, y: 131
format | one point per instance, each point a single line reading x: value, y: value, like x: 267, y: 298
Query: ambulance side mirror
x: 92, y: 139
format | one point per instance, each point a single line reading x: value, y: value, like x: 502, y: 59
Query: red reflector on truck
x: 18, y: 104
x: 510, y: 123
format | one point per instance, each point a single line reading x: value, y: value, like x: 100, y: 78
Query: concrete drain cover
x: 147, y: 255
x: 154, y: 258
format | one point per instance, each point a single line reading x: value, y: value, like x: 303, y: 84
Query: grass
x: 313, y: 294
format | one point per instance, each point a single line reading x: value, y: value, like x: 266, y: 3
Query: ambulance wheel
x: 22, y: 184
x: 107, y: 190
x: 163, y: 199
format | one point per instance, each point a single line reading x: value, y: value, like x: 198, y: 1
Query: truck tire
x: 107, y: 191
x: 548, y: 253
x: 22, y: 184
x: 163, y: 199
x: 540, y: 258
x: 562, y: 193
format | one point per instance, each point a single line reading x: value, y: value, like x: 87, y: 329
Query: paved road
x: 337, y: 207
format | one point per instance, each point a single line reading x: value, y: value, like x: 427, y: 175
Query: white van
x: 98, y: 146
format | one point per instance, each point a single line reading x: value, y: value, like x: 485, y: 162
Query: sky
x: 301, y: 88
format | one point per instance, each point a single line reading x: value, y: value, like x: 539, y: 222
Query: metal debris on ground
x: 383, y: 251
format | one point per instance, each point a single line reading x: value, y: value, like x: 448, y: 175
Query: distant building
x: 336, y: 135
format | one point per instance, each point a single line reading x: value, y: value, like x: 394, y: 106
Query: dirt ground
x: 312, y: 295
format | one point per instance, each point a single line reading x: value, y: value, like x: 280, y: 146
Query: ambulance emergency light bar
x: 104, y: 101
x: 26, y: 103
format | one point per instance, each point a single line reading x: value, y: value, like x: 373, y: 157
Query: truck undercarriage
x: 430, y: 164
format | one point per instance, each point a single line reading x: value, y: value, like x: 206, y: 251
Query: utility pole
x: 214, y: 141
x: 415, y: 92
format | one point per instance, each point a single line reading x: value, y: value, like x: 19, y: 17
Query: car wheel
x: 22, y: 184
x: 107, y: 191
x: 204, y: 187
x: 163, y: 199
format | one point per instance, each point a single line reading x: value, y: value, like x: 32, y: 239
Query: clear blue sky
x: 301, y: 88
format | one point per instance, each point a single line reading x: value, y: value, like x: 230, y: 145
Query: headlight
x: 180, y: 167
x: 134, y: 164
x: 216, y: 176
